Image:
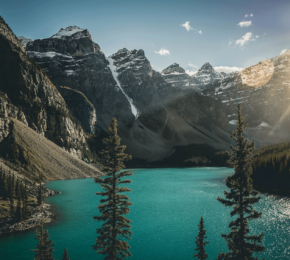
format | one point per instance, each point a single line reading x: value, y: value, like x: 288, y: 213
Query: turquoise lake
x: 167, y: 207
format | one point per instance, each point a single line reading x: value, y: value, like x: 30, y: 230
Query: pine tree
x: 2, y: 182
x: 65, y: 255
x: 40, y: 195
x: 5, y: 186
x: 12, y: 213
x: 200, y: 243
x: 241, y: 197
x: 9, y: 186
x: 26, y: 211
x: 19, y: 212
x: 44, y: 248
x: 17, y: 188
x: 116, y: 227
x: 13, y: 185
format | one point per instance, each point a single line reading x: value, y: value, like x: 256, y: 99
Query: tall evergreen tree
x: 9, y: 186
x: 114, y: 205
x: 17, y: 188
x: 5, y: 186
x: 19, y: 210
x: 241, y: 197
x: 200, y: 243
x: 12, y: 184
x: 1, y: 182
x: 12, y: 210
x: 65, y: 255
x: 26, y: 211
x: 44, y: 248
x: 40, y: 195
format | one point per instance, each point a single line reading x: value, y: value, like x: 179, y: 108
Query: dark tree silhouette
x: 115, y: 229
x: 241, y: 197
x: 44, y: 248
x: 200, y: 242
x: 65, y: 255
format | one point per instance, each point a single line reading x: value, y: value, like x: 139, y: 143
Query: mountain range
x: 156, y: 112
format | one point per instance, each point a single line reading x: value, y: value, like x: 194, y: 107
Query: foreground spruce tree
x: 44, y: 248
x: 65, y: 255
x: 200, y: 243
x: 241, y: 197
x: 115, y: 229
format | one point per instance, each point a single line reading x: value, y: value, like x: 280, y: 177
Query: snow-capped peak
x: 173, y: 69
x: 68, y: 31
x: 206, y: 67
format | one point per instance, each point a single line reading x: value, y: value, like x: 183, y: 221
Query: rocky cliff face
x: 143, y: 85
x: 72, y: 59
x: 31, y: 97
x: 81, y: 108
x: 176, y: 76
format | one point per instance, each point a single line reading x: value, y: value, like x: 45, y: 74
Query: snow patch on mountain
x: 49, y: 54
x: 190, y: 72
x: 263, y: 125
x: 68, y: 31
x: 113, y: 69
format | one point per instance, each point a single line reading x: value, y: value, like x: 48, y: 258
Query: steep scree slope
x: 24, y: 146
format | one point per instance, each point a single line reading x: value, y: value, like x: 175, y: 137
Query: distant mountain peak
x: 206, y: 66
x: 123, y: 50
x: 173, y: 69
x: 68, y: 31
x: 24, y: 40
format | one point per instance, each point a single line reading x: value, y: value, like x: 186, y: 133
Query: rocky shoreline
x: 38, y: 214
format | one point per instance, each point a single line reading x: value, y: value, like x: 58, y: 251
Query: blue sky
x: 223, y: 31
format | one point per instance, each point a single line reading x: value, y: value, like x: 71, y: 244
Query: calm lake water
x: 167, y: 207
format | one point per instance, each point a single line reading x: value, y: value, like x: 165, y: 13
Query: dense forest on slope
x: 271, y: 168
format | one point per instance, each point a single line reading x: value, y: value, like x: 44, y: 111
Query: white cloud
x: 249, y: 15
x: 230, y: 42
x: 245, y: 23
x: 192, y: 65
x: 245, y: 39
x: 257, y: 36
x: 191, y: 72
x: 163, y: 52
x: 246, y: 15
x: 283, y: 51
x: 252, y: 15
x: 187, y: 26
x: 227, y: 69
